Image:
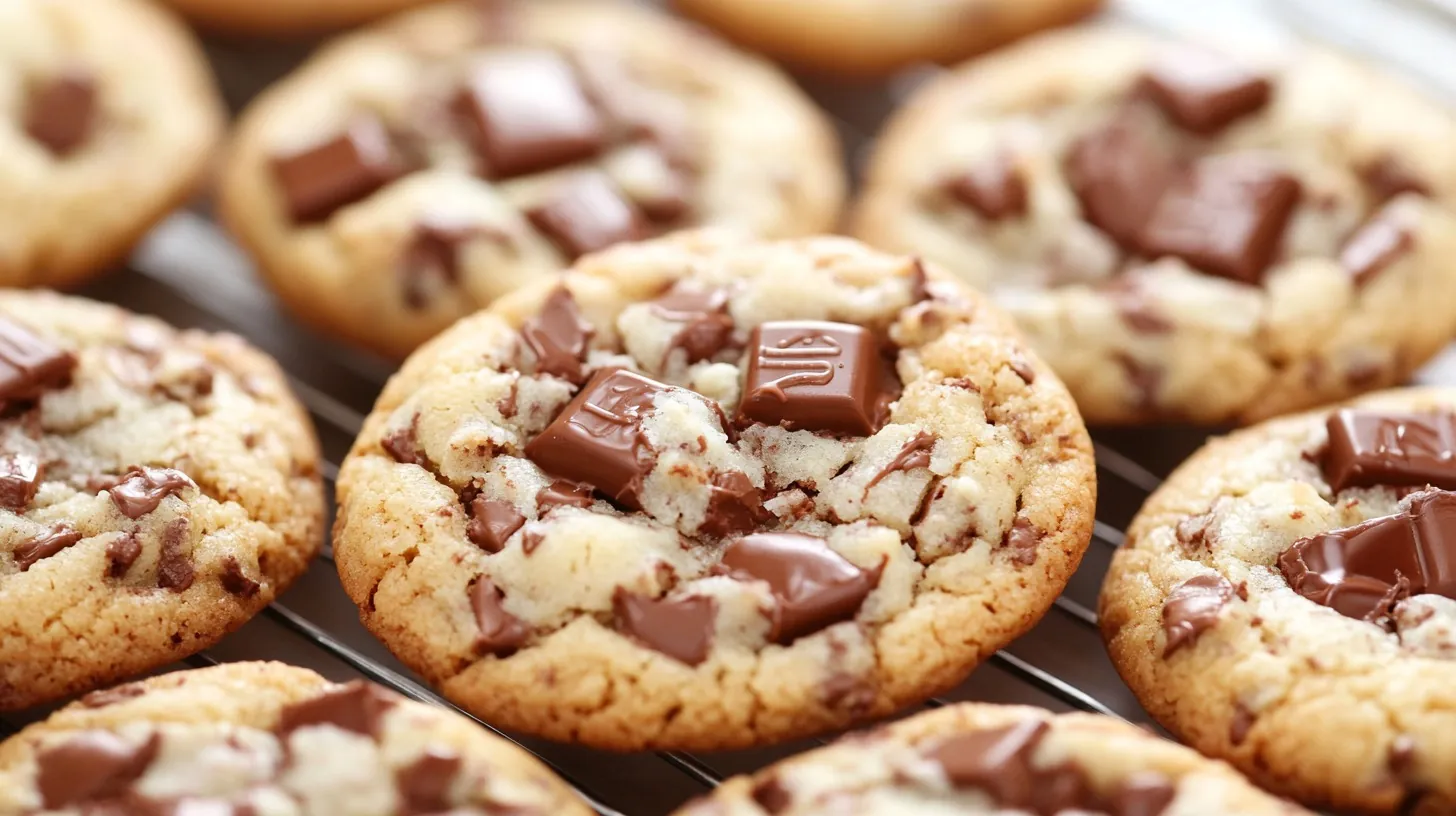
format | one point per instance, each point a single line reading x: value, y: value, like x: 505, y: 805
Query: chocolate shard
x: 174, y: 564
x: 992, y: 188
x: 1368, y: 448
x: 235, y: 581
x: 121, y: 553
x: 585, y: 213
x: 525, y: 112
x: 813, y: 375
x: 681, y: 628
x: 319, y: 180
x: 1204, y: 91
x: 501, y: 633
x: 424, y: 785
x: 403, y: 445
x: 60, y: 112
x: 707, y: 328
x: 20, y: 475
x: 1380, y: 242
x: 557, y: 336
x: 735, y: 506
x: 142, y: 489
x: 813, y: 585
x: 562, y: 493
x: 1118, y: 174
x: 91, y: 766
x: 492, y: 522
x: 913, y: 454
x: 30, y: 364
x: 1192, y: 608
x: 1225, y: 216
x: 359, y: 707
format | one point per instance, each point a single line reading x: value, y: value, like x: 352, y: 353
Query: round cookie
x: 866, y: 38
x: 1255, y: 624
x: 416, y: 171
x: 975, y: 758
x: 157, y: 489
x: 1183, y: 234
x: 286, y: 16
x: 108, y: 116
x: 564, y: 514
x: 267, y: 738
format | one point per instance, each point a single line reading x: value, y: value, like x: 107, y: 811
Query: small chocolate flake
x: 121, y: 553
x: 174, y: 567
x: 235, y: 581
x: 1023, y: 368
x: 914, y: 454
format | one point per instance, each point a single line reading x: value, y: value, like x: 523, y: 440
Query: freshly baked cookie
x: 414, y: 172
x: 108, y: 117
x: 286, y: 16
x: 1184, y: 235
x: 265, y: 738
x: 1287, y: 601
x: 981, y: 758
x: 870, y: 37
x: 157, y: 489
x: 703, y: 493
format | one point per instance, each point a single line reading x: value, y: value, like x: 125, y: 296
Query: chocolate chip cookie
x: 414, y: 172
x: 871, y: 37
x: 703, y: 493
x: 981, y: 758
x: 1184, y: 233
x: 1287, y: 601
x: 285, y: 16
x: 110, y: 117
x: 157, y: 489
x: 265, y: 738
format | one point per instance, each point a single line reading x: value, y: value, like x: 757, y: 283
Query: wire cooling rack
x: 188, y: 273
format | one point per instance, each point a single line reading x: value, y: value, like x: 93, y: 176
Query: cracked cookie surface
x: 977, y: 758
x: 707, y: 493
x: 1285, y: 602
x: 413, y: 172
x: 157, y: 488
x: 97, y: 99
x: 268, y: 739
x: 1184, y: 233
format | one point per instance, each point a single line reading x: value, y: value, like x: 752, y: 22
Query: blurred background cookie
x: 285, y: 17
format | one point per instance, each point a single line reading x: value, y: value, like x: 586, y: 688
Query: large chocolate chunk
x: 703, y: 314
x: 1368, y: 448
x: 1119, y: 173
x: 585, y: 213
x: 735, y: 506
x: 681, y: 628
x: 526, y: 112
x: 358, y: 706
x: 501, y: 633
x: 30, y: 364
x: 992, y: 188
x: 492, y: 522
x: 142, y: 489
x: 1363, y: 571
x: 350, y: 167
x: 424, y: 785
x: 1204, y: 91
x: 45, y: 545
x: 90, y: 767
x: 813, y: 585
x: 1380, y: 242
x: 558, y: 336
x: 60, y: 113
x: 1225, y: 216
x: 1193, y: 607
x: 814, y: 376
x: 20, y: 475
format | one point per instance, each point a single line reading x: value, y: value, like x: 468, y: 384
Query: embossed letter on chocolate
x: 814, y: 585
x: 1369, y: 448
x: 320, y: 179
x: 813, y: 376
x: 30, y: 364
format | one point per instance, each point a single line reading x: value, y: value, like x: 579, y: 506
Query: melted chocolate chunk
x: 30, y: 364
x: 993, y: 188
x: 60, y: 113
x: 432, y: 257
x: 706, y: 325
x: 681, y: 628
x: 121, y: 553
x: 1363, y: 571
x: 235, y: 581
x: 1192, y: 608
x: 501, y: 633
x: 492, y: 522
x: 1118, y: 174
x: 359, y: 707
x: 1368, y: 448
x: 1203, y: 91
x: 319, y: 180
x: 92, y: 766
x: 814, y: 586
x: 1225, y: 216
x: 525, y: 112
x: 424, y: 785
x: 1389, y: 176
x: 558, y: 336
x: 45, y: 545
x: 174, y: 565
x: 142, y: 489
x: 562, y: 493
x: 586, y: 213
x: 403, y: 444
x: 735, y: 506
x: 1380, y: 242
x: 20, y: 475
x: 913, y: 454
x: 812, y: 375
x: 1023, y: 540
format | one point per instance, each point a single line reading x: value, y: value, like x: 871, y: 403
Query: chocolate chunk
x: 501, y: 633
x: 45, y: 545
x: 1129, y: 294
x: 91, y: 766
x: 1146, y: 793
x: 1242, y: 722
x: 317, y: 181
x: 492, y: 522
x: 996, y: 761
x: 121, y: 553
x: 1400, y: 757
x: 681, y: 628
x: 142, y: 489
x: 1380, y: 242
x: 1146, y: 380
x: 1023, y: 369
x: 812, y: 375
x: 404, y: 444
x: 20, y: 475
x: 1023, y: 540
x: 525, y: 112
x: 1203, y: 91
x: 706, y: 325
x: 1192, y: 608
x: 29, y: 364
x: 735, y: 506
x: 432, y: 258
x: 558, y: 336
x: 771, y: 795
x: 113, y: 696
x: 585, y: 213
x: 424, y: 785
x: 993, y: 188
x: 358, y: 706
x: 533, y: 537
x: 813, y: 585
x: 235, y: 581
x: 562, y: 493
x: 174, y: 565
x: 913, y: 454
x: 1369, y: 448
x: 1363, y: 571
x: 1118, y: 174
x: 60, y: 113
x: 1225, y: 216
x: 1389, y: 176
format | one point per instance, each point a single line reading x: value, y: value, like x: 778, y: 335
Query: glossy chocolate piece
x: 1380, y: 242
x: 1204, y: 91
x: 735, y: 506
x: 993, y: 188
x: 45, y: 545
x: 142, y: 489
x: 525, y: 112
x: 1192, y: 608
x: 492, y: 522
x: 707, y: 328
x: 557, y: 337
x: 681, y: 628
x: 359, y: 707
x: 585, y: 213
x: 1119, y: 173
x: 235, y: 581
x: 500, y: 632
x: 1369, y: 448
x: 562, y: 493
x: 91, y: 766
x: 30, y: 364
x: 60, y: 112
x: 319, y: 180
x: 121, y: 553
x: 814, y: 586
x: 1225, y: 216
x: 20, y: 476
x: 814, y: 376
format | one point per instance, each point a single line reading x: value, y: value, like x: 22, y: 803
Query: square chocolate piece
x: 1369, y: 448
x: 527, y: 112
x: 350, y: 167
x: 814, y: 376
x: 586, y: 213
